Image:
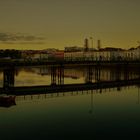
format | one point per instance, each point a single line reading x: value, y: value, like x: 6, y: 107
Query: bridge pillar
x: 57, y: 75
x: 8, y: 78
x: 60, y: 75
x: 126, y: 73
x: 89, y: 75
x: 97, y: 73
x: 53, y: 75
x: 118, y: 74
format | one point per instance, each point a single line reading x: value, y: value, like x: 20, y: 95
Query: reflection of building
x: 73, y: 73
x: 68, y: 73
x: 43, y: 71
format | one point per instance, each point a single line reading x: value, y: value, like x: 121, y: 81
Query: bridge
x: 92, y: 80
x: 59, y: 89
x: 92, y: 74
x: 33, y: 90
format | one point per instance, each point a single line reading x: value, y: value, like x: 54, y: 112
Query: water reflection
x: 8, y: 101
x: 43, y: 75
x: 111, y: 111
x: 138, y: 97
x: 87, y: 113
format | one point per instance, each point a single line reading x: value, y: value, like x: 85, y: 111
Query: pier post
x: 97, y: 73
x: 53, y: 75
x: 57, y: 75
x: 89, y: 75
x: 8, y: 78
x: 118, y: 73
x: 60, y: 75
x: 126, y: 73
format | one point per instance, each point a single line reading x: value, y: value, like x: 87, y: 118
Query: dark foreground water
x: 92, y: 114
x: 88, y: 114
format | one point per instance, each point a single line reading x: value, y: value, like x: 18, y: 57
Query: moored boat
x: 7, y: 101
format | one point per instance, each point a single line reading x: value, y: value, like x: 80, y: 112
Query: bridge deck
x: 30, y: 90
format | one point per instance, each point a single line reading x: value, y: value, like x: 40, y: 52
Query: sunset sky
x: 41, y: 24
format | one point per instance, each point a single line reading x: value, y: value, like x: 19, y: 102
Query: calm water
x: 82, y: 114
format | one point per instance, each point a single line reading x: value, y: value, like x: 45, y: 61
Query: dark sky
x: 60, y: 23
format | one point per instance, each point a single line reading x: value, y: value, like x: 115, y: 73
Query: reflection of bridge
x: 53, y: 91
x: 40, y: 96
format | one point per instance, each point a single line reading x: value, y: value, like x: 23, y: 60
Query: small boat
x: 7, y: 101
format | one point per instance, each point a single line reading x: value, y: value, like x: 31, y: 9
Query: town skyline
x: 42, y: 24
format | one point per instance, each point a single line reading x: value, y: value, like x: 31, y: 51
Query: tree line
x: 13, y: 54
